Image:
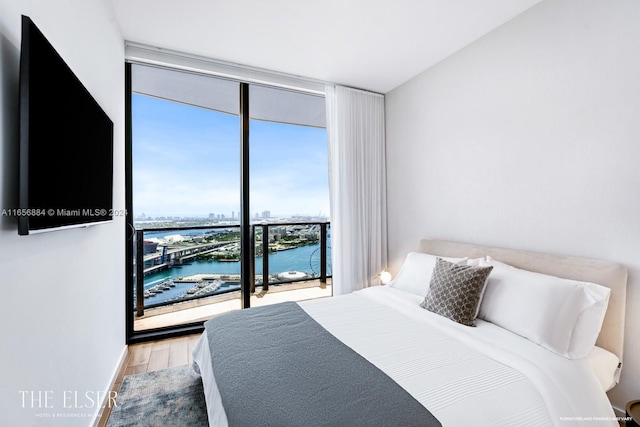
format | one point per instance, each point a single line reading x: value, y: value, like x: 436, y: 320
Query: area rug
x: 169, y: 397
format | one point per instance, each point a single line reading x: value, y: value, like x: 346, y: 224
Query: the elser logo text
x: 69, y: 399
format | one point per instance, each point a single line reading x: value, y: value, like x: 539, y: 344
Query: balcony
x: 189, y: 274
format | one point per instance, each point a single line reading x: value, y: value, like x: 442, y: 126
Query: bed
x: 526, y: 355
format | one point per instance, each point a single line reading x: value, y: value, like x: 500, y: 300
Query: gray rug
x: 169, y: 397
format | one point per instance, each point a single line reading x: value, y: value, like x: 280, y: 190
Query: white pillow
x: 478, y: 262
x: 606, y: 366
x: 415, y: 274
x: 562, y: 315
x: 475, y: 262
x: 589, y: 324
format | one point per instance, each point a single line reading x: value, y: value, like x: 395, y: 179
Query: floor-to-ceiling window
x: 187, y: 199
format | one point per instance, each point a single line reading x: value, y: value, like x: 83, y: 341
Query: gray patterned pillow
x: 455, y: 291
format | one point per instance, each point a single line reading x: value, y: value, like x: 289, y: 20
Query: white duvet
x: 482, y: 376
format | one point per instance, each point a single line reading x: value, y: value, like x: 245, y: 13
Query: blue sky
x: 186, y: 162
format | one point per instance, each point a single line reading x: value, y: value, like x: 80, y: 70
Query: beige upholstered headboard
x: 606, y: 273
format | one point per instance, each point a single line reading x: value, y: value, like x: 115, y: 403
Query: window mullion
x: 246, y: 276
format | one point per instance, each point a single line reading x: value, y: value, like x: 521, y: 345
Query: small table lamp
x: 385, y: 277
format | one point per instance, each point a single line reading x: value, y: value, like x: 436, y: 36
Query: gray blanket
x: 276, y: 366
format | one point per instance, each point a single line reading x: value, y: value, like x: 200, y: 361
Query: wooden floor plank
x: 159, y: 359
x: 192, y: 341
x: 140, y: 354
x: 137, y: 369
x: 179, y: 353
x: 161, y: 345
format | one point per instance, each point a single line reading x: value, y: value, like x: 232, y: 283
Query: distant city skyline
x: 233, y: 216
x: 186, y: 163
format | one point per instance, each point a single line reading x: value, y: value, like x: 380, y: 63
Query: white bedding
x: 606, y: 366
x: 202, y: 361
x: 482, y: 376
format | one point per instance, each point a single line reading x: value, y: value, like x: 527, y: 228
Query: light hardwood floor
x: 152, y: 356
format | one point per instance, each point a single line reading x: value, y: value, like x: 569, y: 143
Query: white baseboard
x: 619, y: 412
x: 114, y: 377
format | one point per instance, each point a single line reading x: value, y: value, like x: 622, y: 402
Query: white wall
x: 529, y: 139
x: 62, y: 293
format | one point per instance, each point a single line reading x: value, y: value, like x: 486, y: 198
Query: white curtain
x: 357, y: 178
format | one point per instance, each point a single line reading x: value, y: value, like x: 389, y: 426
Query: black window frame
x: 247, y: 283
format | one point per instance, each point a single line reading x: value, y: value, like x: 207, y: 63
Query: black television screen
x: 66, y: 143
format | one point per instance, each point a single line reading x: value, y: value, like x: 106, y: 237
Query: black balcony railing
x: 218, y: 242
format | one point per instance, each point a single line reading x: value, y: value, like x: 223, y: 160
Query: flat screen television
x: 66, y: 144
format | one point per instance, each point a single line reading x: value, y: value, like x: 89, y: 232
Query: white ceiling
x: 371, y: 44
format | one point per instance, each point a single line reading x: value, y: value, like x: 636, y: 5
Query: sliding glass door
x: 185, y: 197
x: 219, y: 221
x: 289, y: 194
